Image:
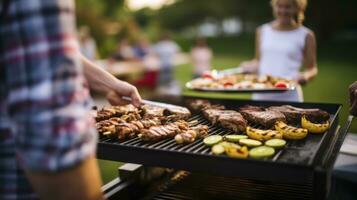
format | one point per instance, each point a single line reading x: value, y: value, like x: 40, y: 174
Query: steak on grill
x: 293, y: 114
x: 258, y: 115
x: 230, y: 119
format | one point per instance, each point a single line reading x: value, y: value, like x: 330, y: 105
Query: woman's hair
x: 301, y: 7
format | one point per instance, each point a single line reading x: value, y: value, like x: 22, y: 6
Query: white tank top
x: 282, y: 55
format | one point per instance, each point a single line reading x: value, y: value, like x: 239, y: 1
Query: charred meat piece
x: 115, y: 111
x: 149, y: 111
x: 257, y: 115
x: 107, y: 127
x: 199, y: 105
x: 230, y: 119
x: 177, y: 113
x: 192, y: 134
x: 131, y: 129
x: 233, y: 121
x: 293, y: 114
x: 156, y: 133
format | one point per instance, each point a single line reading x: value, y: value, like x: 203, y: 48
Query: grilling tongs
x: 155, y: 103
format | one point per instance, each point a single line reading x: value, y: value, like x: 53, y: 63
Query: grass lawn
x: 337, y: 69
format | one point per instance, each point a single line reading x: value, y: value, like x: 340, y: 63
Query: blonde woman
x: 283, y: 47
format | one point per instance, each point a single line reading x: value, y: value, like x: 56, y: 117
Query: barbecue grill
x: 299, y: 171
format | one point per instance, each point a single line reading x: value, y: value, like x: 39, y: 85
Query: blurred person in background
x: 353, y: 98
x: 283, y: 46
x: 47, y: 135
x: 166, y: 49
x: 141, y: 48
x: 125, y: 51
x: 87, y: 44
x: 201, y: 56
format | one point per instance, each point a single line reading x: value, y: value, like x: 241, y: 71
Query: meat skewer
x: 156, y: 133
x: 115, y: 111
x: 192, y: 134
x: 131, y: 129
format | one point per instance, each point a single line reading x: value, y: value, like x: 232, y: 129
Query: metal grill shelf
x: 293, y: 164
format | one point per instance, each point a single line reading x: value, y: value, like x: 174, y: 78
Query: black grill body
x: 304, y: 164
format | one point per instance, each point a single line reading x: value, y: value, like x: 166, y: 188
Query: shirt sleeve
x: 47, y: 98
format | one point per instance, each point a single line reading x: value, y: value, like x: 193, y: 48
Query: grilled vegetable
x: 241, y: 152
x: 261, y: 152
x: 275, y: 143
x: 218, y: 149
x: 212, y: 140
x: 263, y: 135
x: 290, y: 132
x: 250, y: 142
x: 234, y: 138
x: 314, y: 128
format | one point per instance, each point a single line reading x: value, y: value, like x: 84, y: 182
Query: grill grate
x: 215, y: 187
x: 293, y: 164
x: 198, y: 147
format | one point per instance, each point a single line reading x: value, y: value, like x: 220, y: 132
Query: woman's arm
x: 251, y: 66
x: 309, y: 61
x: 102, y: 81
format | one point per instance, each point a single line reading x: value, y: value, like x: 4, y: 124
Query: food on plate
x: 313, y: 127
x: 261, y: 152
x: 290, y: 132
x: 234, y: 138
x: 293, y: 114
x: 250, y: 142
x: 192, y: 134
x: 261, y: 116
x: 211, y: 81
x: 212, y: 140
x: 263, y: 135
x: 275, y: 143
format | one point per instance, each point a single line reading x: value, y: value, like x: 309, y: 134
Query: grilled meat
x: 107, y: 127
x: 192, y: 134
x: 149, y: 111
x: 230, y: 119
x: 131, y: 129
x: 199, y: 105
x: 156, y: 133
x: 293, y: 114
x: 258, y: 115
x: 115, y: 111
x: 233, y: 121
x: 177, y: 113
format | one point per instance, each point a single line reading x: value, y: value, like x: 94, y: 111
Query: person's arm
x: 310, y: 63
x: 353, y: 98
x: 102, y: 81
x: 48, y: 104
x: 80, y: 182
x: 252, y: 66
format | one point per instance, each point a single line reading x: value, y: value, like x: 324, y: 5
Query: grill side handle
x: 336, y: 146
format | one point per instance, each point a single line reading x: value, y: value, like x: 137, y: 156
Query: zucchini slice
x: 235, y: 138
x: 218, y: 149
x: 250, y: 142
x: 261, y: 152
x: 275, y: 143
x: 212, y: 140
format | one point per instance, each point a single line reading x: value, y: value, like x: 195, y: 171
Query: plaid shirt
x: 45, y: 125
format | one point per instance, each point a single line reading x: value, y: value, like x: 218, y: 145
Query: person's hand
x: 301, y: 79
x: 122, y: 88
x: 353, y: 98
